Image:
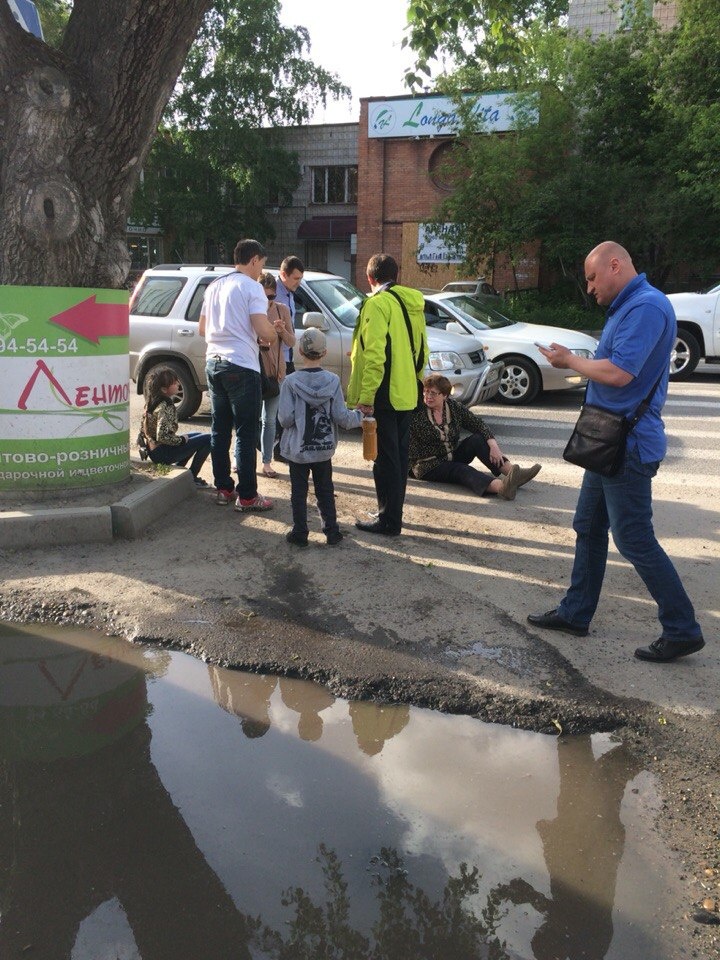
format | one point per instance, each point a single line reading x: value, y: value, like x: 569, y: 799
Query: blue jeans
x: 235, y: 401
x: 197, y: 446
x: 267, y: 427
x: 623, y: 504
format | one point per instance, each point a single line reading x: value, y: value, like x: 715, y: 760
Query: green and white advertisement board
x: 64, y: 393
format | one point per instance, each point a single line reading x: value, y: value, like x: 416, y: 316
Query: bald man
x: 633, y: 354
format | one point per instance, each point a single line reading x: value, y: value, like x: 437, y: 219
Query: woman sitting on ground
x: 439, y: 455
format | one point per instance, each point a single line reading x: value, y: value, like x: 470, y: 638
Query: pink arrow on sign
x: 92, y: 320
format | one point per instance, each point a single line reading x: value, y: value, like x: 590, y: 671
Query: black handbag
x: 269, y: 385
x: 599, y: 439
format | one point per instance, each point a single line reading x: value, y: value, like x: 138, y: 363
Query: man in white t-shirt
x: 233, y: 316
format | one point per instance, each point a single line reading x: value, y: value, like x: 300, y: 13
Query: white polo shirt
x: 229, y: 302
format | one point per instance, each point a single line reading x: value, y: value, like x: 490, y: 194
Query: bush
x: 533, y: 307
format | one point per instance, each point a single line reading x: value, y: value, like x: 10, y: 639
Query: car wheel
x: 684, y: 357
x: 520, y: 381
x: 188, y: 396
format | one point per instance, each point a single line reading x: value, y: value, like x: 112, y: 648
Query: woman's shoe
x: 510, y: 483
x: 527, y: 473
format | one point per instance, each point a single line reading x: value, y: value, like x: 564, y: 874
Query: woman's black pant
x: 458, y: 470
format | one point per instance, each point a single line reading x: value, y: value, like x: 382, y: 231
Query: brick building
x: 401, y: 146
x: 607, y: 16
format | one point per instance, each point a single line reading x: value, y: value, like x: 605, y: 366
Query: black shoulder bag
x: 420, y: 358
x: 599, y: 439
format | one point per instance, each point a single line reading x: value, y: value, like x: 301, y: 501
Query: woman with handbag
x: 272, y: 360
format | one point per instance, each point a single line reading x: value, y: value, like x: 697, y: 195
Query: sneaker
x: 255, y: 503
x: 296, y: 538
x: 224, y: 496
x: 334, y: 538
x: 199, y: 482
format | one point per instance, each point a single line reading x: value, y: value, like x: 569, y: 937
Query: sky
x: 360, y: 42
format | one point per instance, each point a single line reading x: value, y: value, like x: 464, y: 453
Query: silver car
x: 165, y: 308
x: 526, y: 372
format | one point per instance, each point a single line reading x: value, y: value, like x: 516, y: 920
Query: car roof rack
x: 180, y: 266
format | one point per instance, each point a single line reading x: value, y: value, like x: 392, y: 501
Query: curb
x: 127, y: 519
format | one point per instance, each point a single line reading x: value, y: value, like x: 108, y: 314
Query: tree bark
x: 75, y: 127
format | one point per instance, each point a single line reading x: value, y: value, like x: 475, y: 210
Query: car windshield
x: 714, y: 289
x: 340, y: 297
x: 478, y: 313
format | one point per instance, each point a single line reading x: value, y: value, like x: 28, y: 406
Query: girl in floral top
x: 160, y: 424
x: 438, y: 454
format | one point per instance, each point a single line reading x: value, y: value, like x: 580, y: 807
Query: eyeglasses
x: 432, y: 393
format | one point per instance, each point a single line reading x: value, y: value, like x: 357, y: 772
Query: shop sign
x: 438, y: 116
x: 64, y: 392
x: 436, y: 244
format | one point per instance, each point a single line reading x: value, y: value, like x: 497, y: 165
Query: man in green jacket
x: 389, y: 354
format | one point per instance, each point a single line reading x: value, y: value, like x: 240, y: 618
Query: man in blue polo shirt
x: 633, y: 354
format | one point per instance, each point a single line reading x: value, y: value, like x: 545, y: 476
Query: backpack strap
x: 419, y: 358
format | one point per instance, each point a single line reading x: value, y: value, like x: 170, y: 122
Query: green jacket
x: 383, y: 364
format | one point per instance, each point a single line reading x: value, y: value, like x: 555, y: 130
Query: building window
x: 334, y: 184
x: 630, y: 9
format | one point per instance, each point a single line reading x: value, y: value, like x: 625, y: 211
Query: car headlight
x: 444, y: 361
x: 585, y: 354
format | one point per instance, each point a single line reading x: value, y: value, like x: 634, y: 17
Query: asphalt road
x: 516, y: 558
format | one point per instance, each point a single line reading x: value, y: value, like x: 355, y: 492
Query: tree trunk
x: 75, y: 127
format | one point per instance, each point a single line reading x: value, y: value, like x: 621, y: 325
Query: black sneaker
x: 296, y: 538
x: 334, y: 538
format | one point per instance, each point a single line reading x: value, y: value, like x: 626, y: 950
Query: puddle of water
x: 153, y: 807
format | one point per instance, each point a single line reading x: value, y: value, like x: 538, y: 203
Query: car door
x: 186, y: 339
x: 338, y: 340
x: 151, y: 310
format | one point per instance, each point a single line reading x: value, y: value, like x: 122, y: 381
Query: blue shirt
x: 638, y: 337
x: 283, y: 295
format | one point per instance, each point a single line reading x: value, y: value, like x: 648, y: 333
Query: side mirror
x: 316, y: 320
x: 454, y: 327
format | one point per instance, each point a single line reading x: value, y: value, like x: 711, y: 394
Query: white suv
x: 165, y: 308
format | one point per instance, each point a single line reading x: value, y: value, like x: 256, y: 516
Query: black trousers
x: 324, y: 493
x: 390, y: 470
x: 458, y: 470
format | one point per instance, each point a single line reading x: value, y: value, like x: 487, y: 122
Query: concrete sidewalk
x: 125, y: 519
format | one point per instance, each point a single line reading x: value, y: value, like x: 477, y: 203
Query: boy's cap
x: 313, y: 343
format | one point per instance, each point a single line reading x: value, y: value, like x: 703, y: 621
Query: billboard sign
x: 438, y: 116
x: 436, y: 244
x: 64, y: 392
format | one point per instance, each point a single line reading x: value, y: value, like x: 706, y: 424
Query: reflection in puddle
x: 140, y: 822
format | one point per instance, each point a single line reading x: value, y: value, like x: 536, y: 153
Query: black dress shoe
x: 551, y: 621
x: 662, y: 650
x: 375, y: 526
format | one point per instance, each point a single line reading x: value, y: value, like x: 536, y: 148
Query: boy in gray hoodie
x: 311, y: 404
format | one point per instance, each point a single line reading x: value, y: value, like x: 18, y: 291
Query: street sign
x: 27, y: 16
